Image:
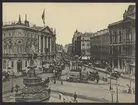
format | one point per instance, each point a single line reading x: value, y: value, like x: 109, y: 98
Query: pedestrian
x: 133, y: 90
x: 49, y: 91
x: 61, y: 81
x: 16, y: 88
x: 59, y: 96
x: 75, y: 97
x: 54, y: 80
x: 12, y: 89
x: 64, y: 100
x: 48, y: 80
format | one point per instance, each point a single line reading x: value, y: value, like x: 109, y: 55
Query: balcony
x: 14, y: 55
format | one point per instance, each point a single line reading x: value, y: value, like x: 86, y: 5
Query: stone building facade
x: 122, y: 41
x: 81, y: 43
x: 17, y: 40
x: 100, y: 46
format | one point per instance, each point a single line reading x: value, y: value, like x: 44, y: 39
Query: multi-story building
x: 100, y: 46
x: 59, y: 48
x: 122, y: 41
x: 81, y: 43
x: 76, y: 43
x: 69, y: 49
x: 17, y: 39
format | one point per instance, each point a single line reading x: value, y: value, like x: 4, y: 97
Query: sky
x: 67, y: 17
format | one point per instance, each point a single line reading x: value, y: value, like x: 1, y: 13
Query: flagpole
x: 44, y: 17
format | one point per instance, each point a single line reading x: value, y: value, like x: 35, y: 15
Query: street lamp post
x: 110, y: 71
x: 12, y: 81
x: 112, y: 94
x: 110, y: 82
x: 116, y: 91
x: 130, y: 84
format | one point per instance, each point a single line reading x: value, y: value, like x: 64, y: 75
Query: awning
x: 85, y: 58
x: 132, y: 64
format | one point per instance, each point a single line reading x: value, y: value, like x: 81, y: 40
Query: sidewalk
x: 90, y: 92
x: 104, y: 71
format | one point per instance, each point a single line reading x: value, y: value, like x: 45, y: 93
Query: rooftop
x: 115, y: 23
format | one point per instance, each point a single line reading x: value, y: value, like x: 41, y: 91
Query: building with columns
x: 17, y: 40
x: 122, y: 41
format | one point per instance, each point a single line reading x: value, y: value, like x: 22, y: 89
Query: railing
x: 15, y: 22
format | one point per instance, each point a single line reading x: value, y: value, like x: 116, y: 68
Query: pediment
x: 47, y: 30
x: 127, y: 19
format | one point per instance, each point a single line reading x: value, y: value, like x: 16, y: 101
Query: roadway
x: 93, y: 92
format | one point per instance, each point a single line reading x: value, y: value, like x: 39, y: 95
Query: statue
x: 34, y: 86
x: 31, y: 72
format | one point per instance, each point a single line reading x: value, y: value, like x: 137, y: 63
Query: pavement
x: 91, y: 92
x: 105, y: 71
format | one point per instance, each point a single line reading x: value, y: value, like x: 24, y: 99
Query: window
x: 25, y: 63
x: 88, y: 44
x: 83, y: 44
x: 12, y: 64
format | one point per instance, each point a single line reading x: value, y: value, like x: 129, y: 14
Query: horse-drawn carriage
x: 48, y: 67
x: 94, y: 76
x: 76, y: 74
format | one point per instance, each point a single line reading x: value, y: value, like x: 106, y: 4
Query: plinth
x: 35, y: 90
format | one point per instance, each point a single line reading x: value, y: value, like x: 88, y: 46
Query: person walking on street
x: 49, y: 91
x: 61, y: 81
x: 16, y: 88
x: 75, y: 97
x: 48, y: 80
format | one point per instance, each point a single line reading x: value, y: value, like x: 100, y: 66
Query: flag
x: 43, y: 16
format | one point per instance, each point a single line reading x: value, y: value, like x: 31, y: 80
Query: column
x: 50, y: 44
x: 113, y: 63
x: 23, y: 63
x: 15, y: 66
x: 47, y: 42
x: 47, y: 46
x: 43, y: 44
x: 39, y: 38
x: 122, y: 63
x: 118, y: 64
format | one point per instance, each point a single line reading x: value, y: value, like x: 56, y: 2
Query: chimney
x: 19, y: 22
x: 54, y: 31
x: 26, y: 22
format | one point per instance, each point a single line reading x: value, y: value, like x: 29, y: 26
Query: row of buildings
x: 114, y: 45
x: 17, y: 40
